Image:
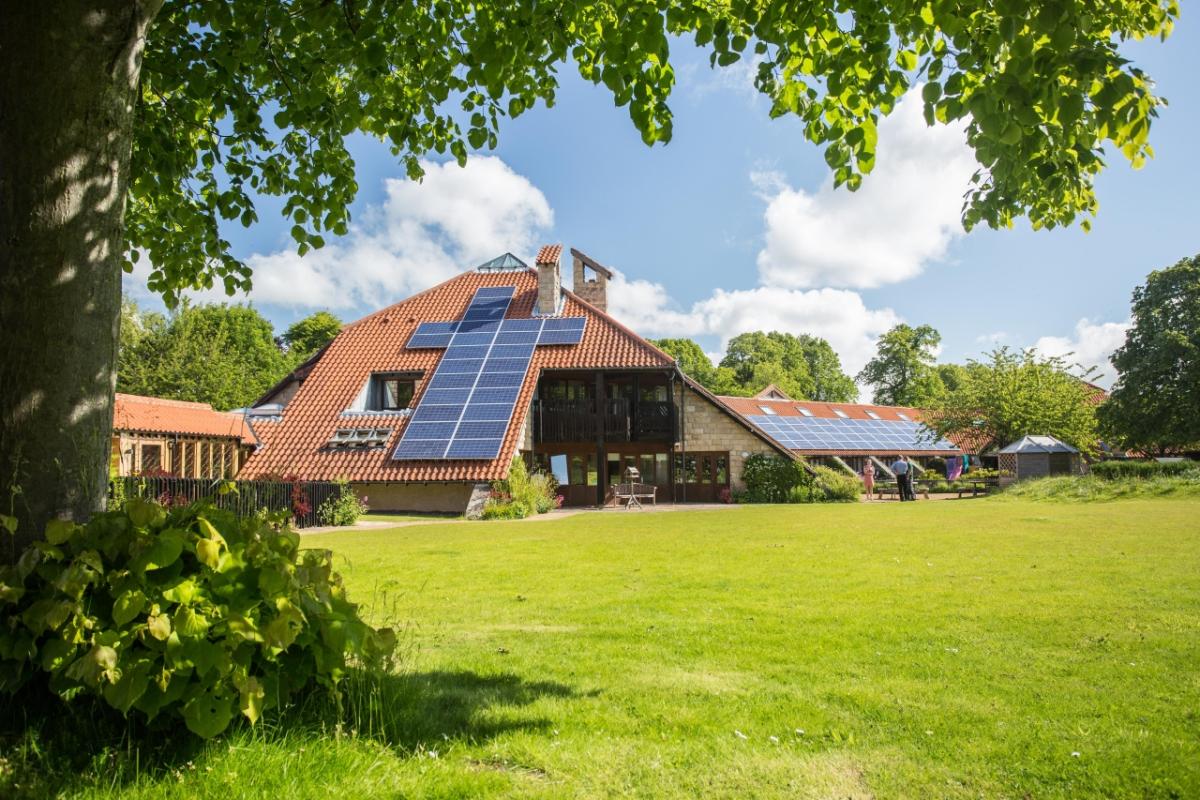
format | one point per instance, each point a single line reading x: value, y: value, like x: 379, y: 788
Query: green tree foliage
x: 903, y: 371
x: 804, y: 367
x: 1041, y: 86
x: 692, y: 359
x: 189, y: 613
x: 1015, y: 393
x: 219, y: 354
x: 185, y: 116
x: 950, y: 375
x: 1155, y: 404
x: 306, y: 336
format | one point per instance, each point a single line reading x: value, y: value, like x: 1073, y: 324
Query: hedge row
x: 1120, y: 470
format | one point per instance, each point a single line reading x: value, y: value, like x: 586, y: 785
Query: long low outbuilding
x: 845, y: 435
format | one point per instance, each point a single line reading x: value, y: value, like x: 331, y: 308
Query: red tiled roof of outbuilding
x: 377, y: 343
x: 133, y: 412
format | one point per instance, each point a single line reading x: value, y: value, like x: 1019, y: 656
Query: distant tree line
x: 225, y: 355
x: 1154, y: 406
x: 804, y: 367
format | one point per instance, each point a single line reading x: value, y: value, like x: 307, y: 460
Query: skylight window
x: 346, y: 438
x: 804, y: 412
x: 841, y: 413
x: 768, y: 410
x: 873, y: 415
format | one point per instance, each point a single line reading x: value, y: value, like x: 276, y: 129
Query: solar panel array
x: 818, y: 433
x: 469, y: 400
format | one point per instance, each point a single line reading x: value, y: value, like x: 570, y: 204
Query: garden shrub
x: 344, y: 508
x: 770, y: 479
x: 1125, y: 470
x: 186, y: 613
x: 835, y: 486
x: 521, y: 494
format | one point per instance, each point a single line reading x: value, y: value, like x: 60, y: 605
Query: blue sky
x: 732, y: 226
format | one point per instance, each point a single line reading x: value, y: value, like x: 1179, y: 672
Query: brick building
x: 424, y: 403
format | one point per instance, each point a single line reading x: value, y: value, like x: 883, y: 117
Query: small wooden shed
x: 156, y: 436
x: 1038, y: 457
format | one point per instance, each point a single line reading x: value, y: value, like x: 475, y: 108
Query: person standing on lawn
x: 868, y: 478
x: 901, y: 470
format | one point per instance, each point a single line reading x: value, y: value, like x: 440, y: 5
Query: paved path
x: 366, y: 523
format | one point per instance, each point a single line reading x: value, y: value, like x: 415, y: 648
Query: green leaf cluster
x: 344, y: 508
x: 224, y: 355
x: 1155, y: 404
x: 521, y: 494
x: 187, y: 614
x: 306, y: 336
x: 804, y: 367
x: 245, y: 100
x: 771, y: 479
x: 1015, y: 393
x: 903, y: 372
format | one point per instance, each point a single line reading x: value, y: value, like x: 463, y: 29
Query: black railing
x: 301, y: 498
x: 619, y: 419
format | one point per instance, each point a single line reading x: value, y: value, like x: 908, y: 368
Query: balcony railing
x: 617, y: 420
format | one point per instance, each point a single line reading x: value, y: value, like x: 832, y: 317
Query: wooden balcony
x: 616, y: 420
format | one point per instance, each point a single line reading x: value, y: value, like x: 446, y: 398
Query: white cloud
x: 905, y: 214
x: 423, y: 233
x: 992, y: 339
x: 838, y: 315
x: 1091, y: 346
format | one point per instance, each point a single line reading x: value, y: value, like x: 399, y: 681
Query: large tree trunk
x: 68, y: 81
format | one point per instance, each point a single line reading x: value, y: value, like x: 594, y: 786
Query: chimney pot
x: 549, y: 279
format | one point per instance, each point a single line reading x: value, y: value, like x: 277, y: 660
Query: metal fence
x: 302, y: 498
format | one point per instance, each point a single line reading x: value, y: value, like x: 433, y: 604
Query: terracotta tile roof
x: 133, y: 412
x: 297, y: 443
x: 753, y: 406
x: 549, y: 254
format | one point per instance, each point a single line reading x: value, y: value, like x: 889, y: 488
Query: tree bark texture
x: 69, y: 73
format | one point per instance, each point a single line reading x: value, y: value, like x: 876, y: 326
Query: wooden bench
x: 634, y: 493
x: 891, y: 488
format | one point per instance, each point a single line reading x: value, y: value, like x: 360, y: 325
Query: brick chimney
x: 549, y: 279
x: 595, y: 289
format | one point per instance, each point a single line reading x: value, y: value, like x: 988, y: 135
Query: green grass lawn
x: 976, y: 648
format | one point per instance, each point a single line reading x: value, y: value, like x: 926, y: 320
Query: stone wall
x: 450, y: 497
x: 707, y: 427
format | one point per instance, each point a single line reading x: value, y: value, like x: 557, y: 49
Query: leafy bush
x: 770, y: 479
x: 835, y: 486
x: 185, y: 613
x: 1123, y: 470
x: 344, y: 508
x: 522, y: 494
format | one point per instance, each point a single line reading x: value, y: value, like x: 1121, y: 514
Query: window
x: 903, y: 416
x: 804, y: 412
x: 768, y: 410
x: 873, y: 415
x: 722, y: 471
x: 396, y: 393
x: 151, y: 457
x: 654, y: 394
x: 386, y: 392
x: 558, y: 468
x: 841, y: 413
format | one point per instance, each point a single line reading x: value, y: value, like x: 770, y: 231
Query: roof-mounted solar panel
x: 467, y: 407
